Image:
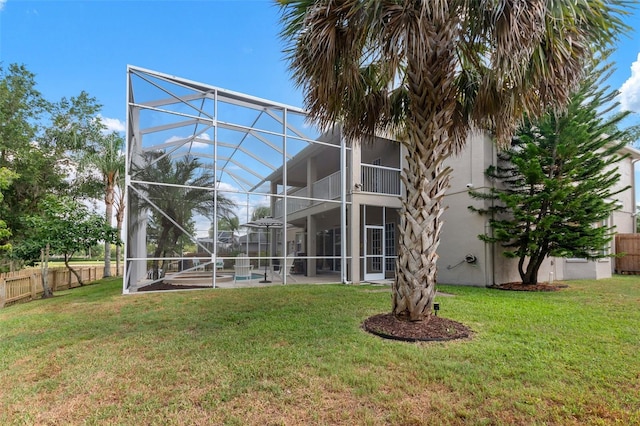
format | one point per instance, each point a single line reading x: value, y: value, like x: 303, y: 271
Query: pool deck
x: 224, y: 279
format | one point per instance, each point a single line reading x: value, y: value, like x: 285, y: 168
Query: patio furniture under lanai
x: 280, y: 272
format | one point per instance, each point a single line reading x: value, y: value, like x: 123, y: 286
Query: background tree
x: 260, y: 212
x: 6, y: 176
x: 428, y: 72
x: 227, y: 223
x: 67, y: 227
x: 41, y: 141
x: 75, y: 127
x: 22, y: 109
x: 555, y: 185
x: 74, y: 132
x: 106, y: 157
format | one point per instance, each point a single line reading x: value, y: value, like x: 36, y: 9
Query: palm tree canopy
x: 109, y: 158
x: 260, y: 212
x: 428, y: 71
x: 184, y: 188
x: 375, y: 65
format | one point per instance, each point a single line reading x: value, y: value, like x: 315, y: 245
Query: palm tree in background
x: 429, y: 72
x: 119, y: 206
x: 109, y: 160
x: 260, y: 212
x: 174, y: 191
x: 227, y: 223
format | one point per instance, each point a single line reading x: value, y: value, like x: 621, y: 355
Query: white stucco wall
x: 461, y: 227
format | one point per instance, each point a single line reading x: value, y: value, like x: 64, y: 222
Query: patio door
x: 374, y: 253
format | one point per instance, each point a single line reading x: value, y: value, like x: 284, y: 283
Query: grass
x: 296, y: 355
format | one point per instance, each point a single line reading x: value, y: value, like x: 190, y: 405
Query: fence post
x: 34, y: 290
x: 54, y: 281
x: 3, y: 292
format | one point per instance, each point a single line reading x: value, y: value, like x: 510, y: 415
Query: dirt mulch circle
x: 162, y: 286
x: 518, y: 286
x: 436, y: 329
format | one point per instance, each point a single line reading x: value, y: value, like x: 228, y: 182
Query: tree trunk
x: 47, y: 291
x: 108, y: 203
x: 73, y: 271
x: 118, y: 256
x: 530, y: 275
x: 119, y: 220
x: 429, y: 143
x: 162, y: 241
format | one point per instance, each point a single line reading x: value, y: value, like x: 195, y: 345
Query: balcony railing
x: 328, y: 188
x: 293, y: 204
x: 380, y: 179
x: 375, y: 179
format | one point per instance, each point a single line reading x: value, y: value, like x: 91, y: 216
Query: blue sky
x: 86, y: 45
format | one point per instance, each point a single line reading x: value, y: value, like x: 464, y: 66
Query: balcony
x: 380, y: 180
x: 375, y: 179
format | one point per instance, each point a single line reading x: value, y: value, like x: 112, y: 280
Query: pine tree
x: 555, y: 184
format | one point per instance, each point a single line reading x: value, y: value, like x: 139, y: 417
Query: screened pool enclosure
x: 203, y: 162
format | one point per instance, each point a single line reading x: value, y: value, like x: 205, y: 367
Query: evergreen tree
x: 556, y: 182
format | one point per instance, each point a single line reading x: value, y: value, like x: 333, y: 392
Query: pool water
x: 254, y: 276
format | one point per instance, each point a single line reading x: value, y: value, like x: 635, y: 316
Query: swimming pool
x: 254, y: 276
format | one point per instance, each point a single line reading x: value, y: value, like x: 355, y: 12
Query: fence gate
x: 629, y: 246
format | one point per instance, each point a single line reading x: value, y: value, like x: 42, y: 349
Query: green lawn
x: 296, y: 355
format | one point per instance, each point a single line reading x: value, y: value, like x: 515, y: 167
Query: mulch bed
x: 163, y: 286
x: 518, y: 286
x: 434, y: 329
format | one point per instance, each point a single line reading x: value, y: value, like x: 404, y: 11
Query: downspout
x: 343, y: 209
x: 494, y: 162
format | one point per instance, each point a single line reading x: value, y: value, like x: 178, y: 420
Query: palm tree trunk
x: 160, y: 248
x: 108, y: 202
x: 420, y: 226
x: 429, y: 143
x: 118, y: 249
x: 119, y: 221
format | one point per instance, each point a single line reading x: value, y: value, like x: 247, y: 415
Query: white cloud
x: 174, y: 139
x: 223, y: 186
x: 2, y: 3
x: 630, y: 89
x: 113, y: 124
x: 196, y: 145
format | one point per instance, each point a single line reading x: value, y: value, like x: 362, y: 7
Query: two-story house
x: 190, y: 144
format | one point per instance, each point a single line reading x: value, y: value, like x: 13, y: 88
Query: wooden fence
x: 27, y: 284
x: 629, y: 244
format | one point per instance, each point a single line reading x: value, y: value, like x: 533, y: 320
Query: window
x: 390, y: 246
